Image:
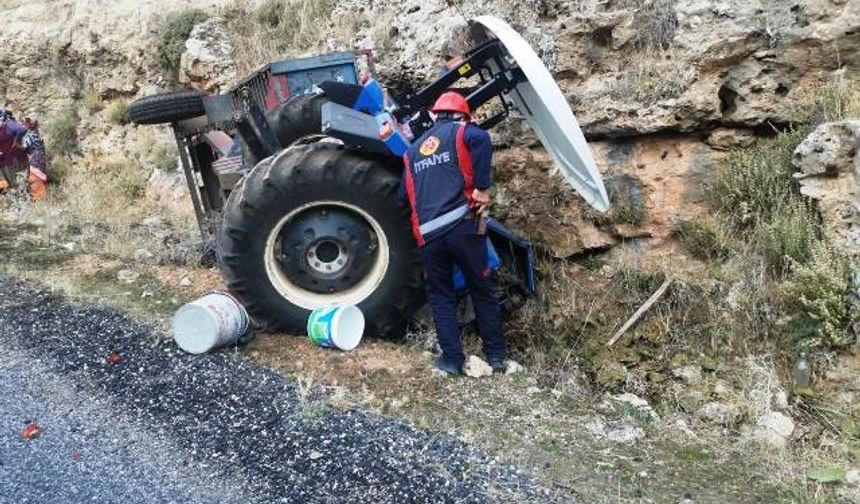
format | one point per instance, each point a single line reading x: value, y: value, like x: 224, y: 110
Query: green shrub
x: 175, y: 30
x: 117, y: 112
x: 61, y: 133
x: 786, y: 239
x: 757, y: 181
x: 703, y: 238
x: 817, y: 297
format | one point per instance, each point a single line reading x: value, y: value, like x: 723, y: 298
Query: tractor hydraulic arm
x: 498, y: 76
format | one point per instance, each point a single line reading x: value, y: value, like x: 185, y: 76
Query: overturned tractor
x: 295, y: 172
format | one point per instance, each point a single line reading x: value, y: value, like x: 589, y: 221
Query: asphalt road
x: 165, y: 427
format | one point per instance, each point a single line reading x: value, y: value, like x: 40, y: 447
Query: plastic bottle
x: 801, y: 372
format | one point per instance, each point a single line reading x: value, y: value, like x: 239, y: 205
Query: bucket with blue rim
x: 336, y: 327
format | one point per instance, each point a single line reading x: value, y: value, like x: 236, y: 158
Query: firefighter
x: 446, y: 179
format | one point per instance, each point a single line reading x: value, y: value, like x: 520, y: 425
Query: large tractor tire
x: 316, y: 226
x: 166, y: 108
x: 299, y: 120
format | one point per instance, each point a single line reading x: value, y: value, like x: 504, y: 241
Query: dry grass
x: 100, y: 202
x: 117, y: 112
x: 838, y: 101
x: 653, y: 78
x: 655, y: 23
x: 61, y: 132
x: 92, y: 102
x: 703, y: 238
x: 276, y: 28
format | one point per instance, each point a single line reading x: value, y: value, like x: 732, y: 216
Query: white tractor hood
x: 545, y: 108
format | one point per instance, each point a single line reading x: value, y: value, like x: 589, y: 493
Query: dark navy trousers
x: 465, y: 248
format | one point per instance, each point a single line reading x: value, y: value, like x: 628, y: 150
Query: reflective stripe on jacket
x: 438, y: 178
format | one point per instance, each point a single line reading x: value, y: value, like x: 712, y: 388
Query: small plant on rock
x: 628, y: 201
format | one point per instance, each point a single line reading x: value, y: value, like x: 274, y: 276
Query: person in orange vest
x: 37, y: 159
x: 447, y: 177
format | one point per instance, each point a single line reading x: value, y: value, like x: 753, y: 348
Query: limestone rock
x: 513, y: 367
x: 615, y: 431
x: 691, y: 373
x: 780, y: 400
x: 730, y: 138
x: 127, y: 276
x: 773, y: 428
x: 169, y: 189
x: 830, y: 149
x: 720, y: 413
x: 828, y: 167
x: 852, y: 477
x: 186, y: 282
x: 143, y: 255
x: 207, y: 62
x: 477, y: 367
x: 635, y: 402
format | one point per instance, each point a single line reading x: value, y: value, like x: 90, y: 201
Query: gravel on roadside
x: 164, y: 426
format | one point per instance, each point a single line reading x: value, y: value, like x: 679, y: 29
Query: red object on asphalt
x: 114, y: 359
x: 31, y: 431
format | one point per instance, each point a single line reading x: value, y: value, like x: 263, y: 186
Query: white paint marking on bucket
x: 209, y: 322
x: 339, y: 327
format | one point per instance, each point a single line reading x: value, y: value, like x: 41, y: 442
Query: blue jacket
x: 441, y: 169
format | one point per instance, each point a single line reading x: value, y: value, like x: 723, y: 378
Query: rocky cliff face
x: 662, y: 87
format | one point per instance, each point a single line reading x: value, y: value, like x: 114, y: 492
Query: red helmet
x: 452, y: 102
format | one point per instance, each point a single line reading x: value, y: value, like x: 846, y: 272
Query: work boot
x: 449, y: 368
x: 498, y: 364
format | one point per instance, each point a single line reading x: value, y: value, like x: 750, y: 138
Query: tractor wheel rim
x: 325, y: 260
x: 328, y: 257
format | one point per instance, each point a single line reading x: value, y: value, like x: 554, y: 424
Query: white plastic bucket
x: 338, y: 327
x: 209, y: 322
